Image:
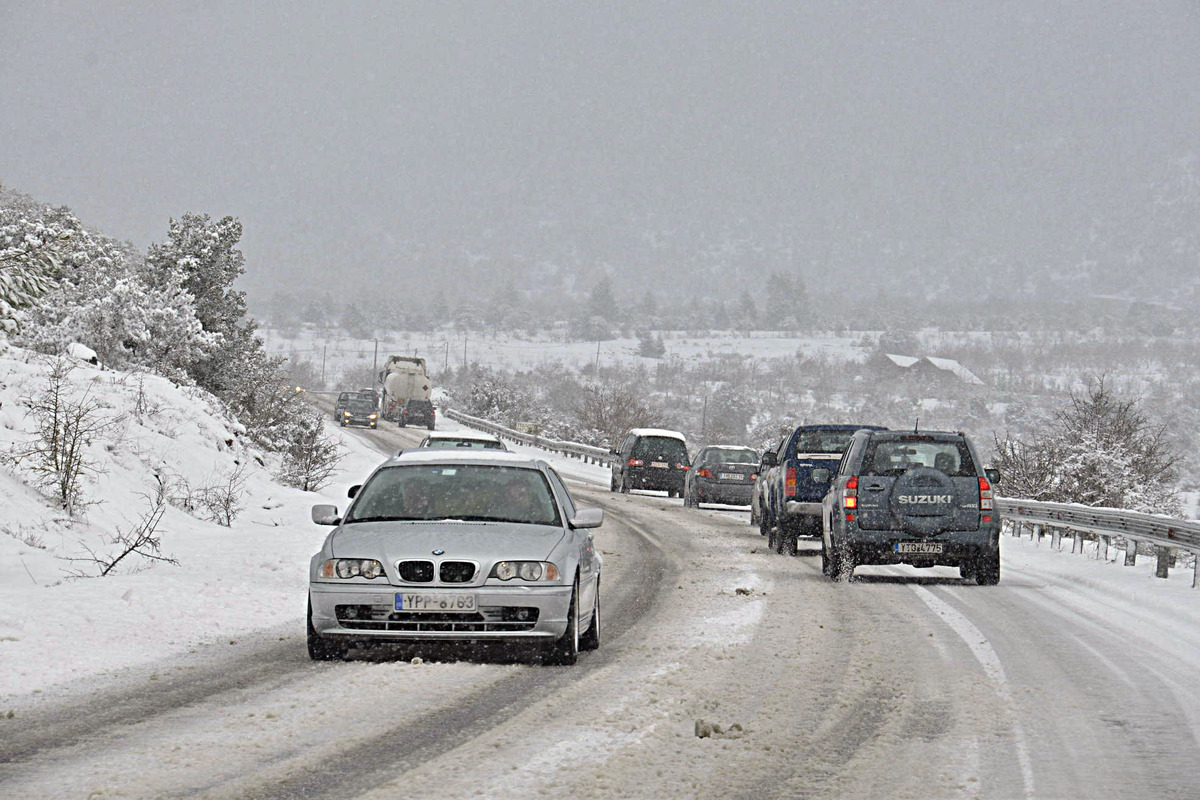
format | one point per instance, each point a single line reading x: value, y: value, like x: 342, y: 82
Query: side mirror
x: 769, y: 460
x: 993, y: 475
x: 325, y: 515
x: 353, y: 491
x: 613, y: 453
x: 820, y: 475
x: 587, y: 518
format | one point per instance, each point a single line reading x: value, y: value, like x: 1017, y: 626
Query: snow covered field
x: 505, y: 351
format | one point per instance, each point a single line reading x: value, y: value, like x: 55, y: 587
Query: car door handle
x: 875, y: 488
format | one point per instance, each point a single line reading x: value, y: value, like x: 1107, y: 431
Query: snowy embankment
x: 228, y: 582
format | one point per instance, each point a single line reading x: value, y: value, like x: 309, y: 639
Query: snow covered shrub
x: 67, y: 422
x: 312, y: 457
x: 141, y: 540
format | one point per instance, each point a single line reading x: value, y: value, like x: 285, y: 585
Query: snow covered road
x: 1063, y: 681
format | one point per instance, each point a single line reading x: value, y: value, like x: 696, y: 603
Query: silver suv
x: 911, y: 498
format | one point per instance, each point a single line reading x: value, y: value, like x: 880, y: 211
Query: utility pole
x: 464, y: 351
x: 704, y: 421
x: 446, y: 363
x: 597, y: 359
x: 375, y: 364
x: 324, y: 349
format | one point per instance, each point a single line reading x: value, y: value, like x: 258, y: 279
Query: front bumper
x: 498, y: 616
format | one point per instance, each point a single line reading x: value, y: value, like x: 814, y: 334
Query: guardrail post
x: 1037, y: 533
x: 1161, y: 570
x: 1016, y: 528
x: 1195, y: 570
x: 1130, y: 552
x: 1056, y: 538
x: 1102, y: 548
x: 1076, y: 541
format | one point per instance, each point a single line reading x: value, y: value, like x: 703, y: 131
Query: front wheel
x: 590, y: 640
x: 565, y: 651
x: 321, y: 648
x: 402, y: 424
x: 789, y: 543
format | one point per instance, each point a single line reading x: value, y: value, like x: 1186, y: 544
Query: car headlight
x: 373, y: 416
x: 345, y: 413
x: 347, y: 568
x: 525, y: 570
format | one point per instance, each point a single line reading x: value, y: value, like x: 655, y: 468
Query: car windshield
x: 660, y: 447
x: 898, y: 456
x: 361, y: 406
x: 477, y: 443
x: 467, y: 492
x: 730, y: 455
x: 823, y: 441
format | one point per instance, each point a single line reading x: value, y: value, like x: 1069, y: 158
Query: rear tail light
x: 635, y: 462
x: 681, y: 466
x: 985, y: 496
x: 704, y: 472
x: 753, y: 476
x: 850, y: 493
x: 789, y: 482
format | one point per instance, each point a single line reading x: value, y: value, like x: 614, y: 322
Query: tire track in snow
x: 987, y: 658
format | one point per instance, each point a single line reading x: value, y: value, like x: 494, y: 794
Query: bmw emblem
x: 439, y: 552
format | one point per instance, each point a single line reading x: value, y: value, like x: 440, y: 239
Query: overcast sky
x: 342, y: 133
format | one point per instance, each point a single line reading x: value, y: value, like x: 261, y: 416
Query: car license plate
x: 441, y: 602
x: 917, y: 547
x: 730, y: 476
x: 659, y: 464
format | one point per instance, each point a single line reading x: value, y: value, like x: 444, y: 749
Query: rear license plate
x: 659, y: 464
x: 442, y: 602
x: 730, y: 476
x: 917, y: 547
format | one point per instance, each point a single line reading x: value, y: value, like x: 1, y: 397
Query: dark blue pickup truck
x: 792, y: 498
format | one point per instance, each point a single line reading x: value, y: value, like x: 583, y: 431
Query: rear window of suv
x: 895, y: 456
x: 649, y: 446
x: 832, y: 442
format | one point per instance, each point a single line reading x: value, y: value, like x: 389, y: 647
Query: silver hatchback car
x: 456, y: 546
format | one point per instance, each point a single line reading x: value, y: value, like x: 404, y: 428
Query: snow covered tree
x: 1102, y: 451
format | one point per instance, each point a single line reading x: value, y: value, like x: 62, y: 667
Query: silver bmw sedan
x: 485, y: 546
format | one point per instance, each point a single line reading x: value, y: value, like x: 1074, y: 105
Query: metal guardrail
x: 586, y: 452
x: 1165, y: 534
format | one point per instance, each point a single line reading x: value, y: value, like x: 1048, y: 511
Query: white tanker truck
x: 403, y: 377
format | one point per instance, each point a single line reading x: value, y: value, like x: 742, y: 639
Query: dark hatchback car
x: 651, y: 458
x: 359, y: 411
x: 418, y: 412
x: 922, y: 499
x: 721, y: 474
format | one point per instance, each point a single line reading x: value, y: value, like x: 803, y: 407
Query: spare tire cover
x: 924, y: 500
